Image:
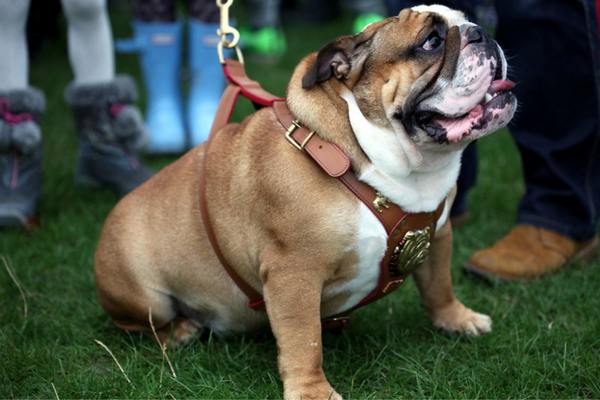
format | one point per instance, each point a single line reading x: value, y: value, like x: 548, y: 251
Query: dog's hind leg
x: 148, y: 311
x: 131, y: 306
x: 137, y: 308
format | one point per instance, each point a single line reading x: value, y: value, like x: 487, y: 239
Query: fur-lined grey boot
x: 111, y: 134
x: 20, y: 156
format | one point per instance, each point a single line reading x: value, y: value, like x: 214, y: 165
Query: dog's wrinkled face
x: 429, y: 70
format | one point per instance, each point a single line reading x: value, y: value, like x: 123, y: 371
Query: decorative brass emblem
x: 411, y: 252
x: 380, y: 202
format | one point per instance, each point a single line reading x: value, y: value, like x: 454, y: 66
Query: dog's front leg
x: 292, y: 290
x: 434, y: 281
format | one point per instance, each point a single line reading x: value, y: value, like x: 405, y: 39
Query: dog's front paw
x: 312, y: 391
x: 458, y: 318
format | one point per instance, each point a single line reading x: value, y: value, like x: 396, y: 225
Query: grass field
x: 545, y: 343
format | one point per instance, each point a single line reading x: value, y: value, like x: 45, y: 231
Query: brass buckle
x: 288, y: 135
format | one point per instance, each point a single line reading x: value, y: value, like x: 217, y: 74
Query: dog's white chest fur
x: 392, y: 174
x: 370, y: 245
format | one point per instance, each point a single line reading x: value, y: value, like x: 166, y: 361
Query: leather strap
x: 329, y: 156
x: 389, y: 216
x: 226, y: 106
x: 236, y: 74
x: 240, y: 83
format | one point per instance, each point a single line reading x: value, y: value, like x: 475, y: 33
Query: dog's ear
x: 338, y: 59
x: 331, y: 60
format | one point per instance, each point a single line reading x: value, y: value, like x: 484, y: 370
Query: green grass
x: 545, y: 341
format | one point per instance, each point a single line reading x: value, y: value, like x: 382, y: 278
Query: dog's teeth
x: 488, y: 97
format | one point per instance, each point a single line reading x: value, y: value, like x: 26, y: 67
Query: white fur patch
x: 397, y: 169
x: 452, y: 17
x: 444, y: 217
x: 370, y: 245
x: 394, y: 153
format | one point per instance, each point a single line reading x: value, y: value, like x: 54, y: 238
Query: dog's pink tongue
x: 456, y: 128
x: 501, y: 85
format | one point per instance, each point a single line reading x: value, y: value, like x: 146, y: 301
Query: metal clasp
x: 224, y: 30
x: 288, y: 135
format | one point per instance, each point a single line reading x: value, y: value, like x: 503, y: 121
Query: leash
x: 239, y: 84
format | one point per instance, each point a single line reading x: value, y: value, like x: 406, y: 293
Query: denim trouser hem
x: 575, y: 233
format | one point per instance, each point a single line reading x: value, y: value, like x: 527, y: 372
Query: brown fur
x: 280, y: 221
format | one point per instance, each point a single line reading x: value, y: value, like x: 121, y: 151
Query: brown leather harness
x: 409, y: 234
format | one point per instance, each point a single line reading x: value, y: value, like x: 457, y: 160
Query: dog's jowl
x: 400, y: 101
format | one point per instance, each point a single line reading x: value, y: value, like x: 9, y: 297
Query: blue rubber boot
x: 159, y: 45
x: 207, y: 79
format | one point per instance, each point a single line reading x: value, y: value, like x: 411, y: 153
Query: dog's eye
x: 433, y: 41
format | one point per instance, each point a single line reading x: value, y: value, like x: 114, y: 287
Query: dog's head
x: 429, y: 73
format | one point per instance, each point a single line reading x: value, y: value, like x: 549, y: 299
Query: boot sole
x: 588, y: 253
x: 18, y: 220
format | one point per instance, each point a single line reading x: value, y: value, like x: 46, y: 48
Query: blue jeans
x: 553, y: 46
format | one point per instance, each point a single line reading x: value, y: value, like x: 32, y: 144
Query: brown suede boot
x: 528, y: 252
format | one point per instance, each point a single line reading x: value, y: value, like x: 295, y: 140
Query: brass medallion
x: 411, y: 252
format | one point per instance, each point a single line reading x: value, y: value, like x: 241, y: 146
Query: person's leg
x: 366, y: 11
x: 21, y: 107
x: 110, y: 128
x: 365, y: 6
x: 265, y: 37
x: 90, y: 41
x: 14, y: 65
x: 154, y: 10
x: 553, y: 51
x: 264, y: 13
x: 158, y: 39
x: 467, y: 179
x: 557, y: 128
x: 206, y: 75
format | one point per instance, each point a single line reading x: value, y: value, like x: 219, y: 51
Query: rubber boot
x: 159, y: 45
x: 111, y: 133
x: 207, y: 80
x: 20, y: 156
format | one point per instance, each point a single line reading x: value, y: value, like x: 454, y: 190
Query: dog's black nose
x: 475, y: 34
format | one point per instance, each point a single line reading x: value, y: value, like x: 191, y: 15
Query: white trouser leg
x: 90, y: 40
x: 14, y: 65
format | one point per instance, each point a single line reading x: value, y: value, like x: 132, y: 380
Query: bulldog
x: 401, y: 99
